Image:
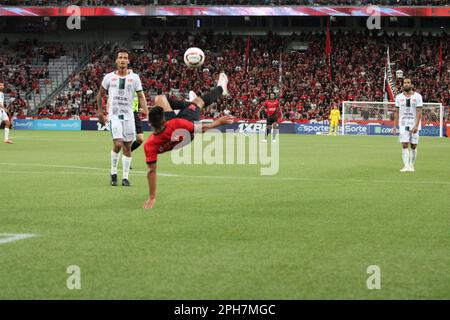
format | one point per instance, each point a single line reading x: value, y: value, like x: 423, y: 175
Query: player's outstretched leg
x: 214, y: 94
x: 405, y: 157
x: 137, y: 143
x: 412, y: 157
x: 192, y: 96
x: 175, y: 104
x: 223, y: 83
x: 205, y: 100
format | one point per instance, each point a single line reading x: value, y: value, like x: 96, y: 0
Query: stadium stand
x: 307, y: 93
x: 32, y: 71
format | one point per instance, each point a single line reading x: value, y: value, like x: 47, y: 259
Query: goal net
x: 377, y: 118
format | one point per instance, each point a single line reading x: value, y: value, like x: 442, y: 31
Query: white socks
x: 126, y: 164
x: 409, y: 157
x: 6, y: 133
x: 405, y: 157
x: 412, y: 156
x: 114, y: 162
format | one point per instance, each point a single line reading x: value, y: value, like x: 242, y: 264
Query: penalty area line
x: 11, y: 237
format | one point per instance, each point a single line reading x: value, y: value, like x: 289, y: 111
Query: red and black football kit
x: 271, y: 111
x: 184, y: 120
x: 162, y: 142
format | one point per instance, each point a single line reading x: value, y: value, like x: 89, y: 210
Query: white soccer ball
x: 194, y: 57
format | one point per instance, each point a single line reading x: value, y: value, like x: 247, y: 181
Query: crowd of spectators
x: 79, y: 97
x: 22, y: 65
x: 306, y: 92
x: 222, y: 2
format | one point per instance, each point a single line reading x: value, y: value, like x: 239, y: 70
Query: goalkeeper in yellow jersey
x: 334, y: 117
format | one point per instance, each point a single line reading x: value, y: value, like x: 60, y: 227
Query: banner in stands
x: 257, y: 127
x: 427, y: 131
x: 322, y: 11
x: 238, y: 127
x: 318, y: 128
x: 95, y: 125
x: 356, y: 129
x: 241, y: 127
x: 61, y: 125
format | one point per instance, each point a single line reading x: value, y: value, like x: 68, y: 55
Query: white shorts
x: 3, y: 116
x: 123, y: 129
x: 409, y: 137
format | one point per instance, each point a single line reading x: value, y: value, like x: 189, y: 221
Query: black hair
x: 156, y: 117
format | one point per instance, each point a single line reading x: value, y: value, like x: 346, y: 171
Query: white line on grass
x: 53, y: 173
x: 50, y: 166
x: 206, y: 177
x: 68, y: 167
x: 140, y: 173
x: 10, y: 237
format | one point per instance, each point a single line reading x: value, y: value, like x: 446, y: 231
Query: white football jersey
x: 120, y: 94
x: 407, y: 109
x: 2, y: 100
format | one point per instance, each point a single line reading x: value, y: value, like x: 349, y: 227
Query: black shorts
x: 272, y: 119
x: 138, y: 123
x: 190, y: 113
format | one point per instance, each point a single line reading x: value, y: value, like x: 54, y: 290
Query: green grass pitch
x: 337, y: 205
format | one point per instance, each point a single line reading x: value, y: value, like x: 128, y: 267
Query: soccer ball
x: 194, y: 57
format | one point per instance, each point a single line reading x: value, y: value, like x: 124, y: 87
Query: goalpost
x: 382, y: 113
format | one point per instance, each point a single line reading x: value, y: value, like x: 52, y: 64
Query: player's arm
x: 418, y: 118
x: 396, y: 113
x: 418, y: 113
x: 101, y: 94
x: 279, y: 111
x: 143, y: 103
x: 217, y: 123
x: 141, y: 96
x: 151, y: 179
x: 394, y: 131
x: 260, y: 109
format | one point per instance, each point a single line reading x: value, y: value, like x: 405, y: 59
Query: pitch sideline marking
x: 211, y: 177
x: 11, y: 237
x: 70, y: 167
